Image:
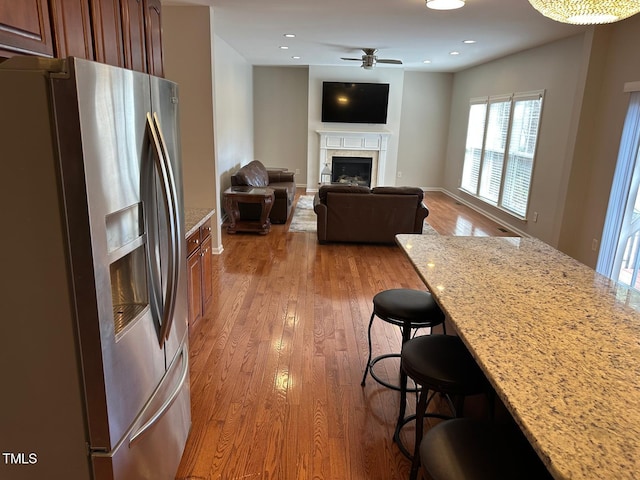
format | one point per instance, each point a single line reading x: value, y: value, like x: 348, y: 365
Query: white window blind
x: 473, y: 152
x: 502, y: 135
x: 494, y: 148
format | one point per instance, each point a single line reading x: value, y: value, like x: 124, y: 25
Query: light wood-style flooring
x: 277, y: 360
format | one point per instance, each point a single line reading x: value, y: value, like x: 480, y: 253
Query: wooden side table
x: 241, y: 194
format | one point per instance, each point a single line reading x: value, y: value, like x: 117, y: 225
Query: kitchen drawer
x: 205, y: 230
x: 193, y: 242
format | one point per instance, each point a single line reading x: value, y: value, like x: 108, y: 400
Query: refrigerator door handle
x: 170, y: 211
x: 135, y: 435
x: 175, y: 231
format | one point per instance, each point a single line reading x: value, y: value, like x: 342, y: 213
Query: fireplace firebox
x: 351, y: 170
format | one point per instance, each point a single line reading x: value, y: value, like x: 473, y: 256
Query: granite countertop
x: 558, y: 341
x: 195, y: 217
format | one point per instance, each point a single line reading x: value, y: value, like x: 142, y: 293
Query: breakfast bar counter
x: 559, y: 342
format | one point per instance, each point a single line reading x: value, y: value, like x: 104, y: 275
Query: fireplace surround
x: 357, y: 144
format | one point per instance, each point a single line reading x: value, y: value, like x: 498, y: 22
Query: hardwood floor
x: 277, y: 360
x: 449, y: 217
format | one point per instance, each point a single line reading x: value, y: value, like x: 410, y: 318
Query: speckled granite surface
x: 195, y: 217
x: 559, y: 342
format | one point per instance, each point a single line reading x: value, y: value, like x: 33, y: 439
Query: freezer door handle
x: 137, y: 434
x: 170, y: 201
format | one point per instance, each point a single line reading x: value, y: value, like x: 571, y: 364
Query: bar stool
x: 408, y: 309
x: 466, y: 449
x: 438, y: 364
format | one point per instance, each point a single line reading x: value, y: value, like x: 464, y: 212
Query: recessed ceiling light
x: 295, y: 57
x: 454, y: 53
x: 469, y: 41
x: 426, y: 61
x: 445, y: 4
x: 284, y: 47
x: 290, y: 35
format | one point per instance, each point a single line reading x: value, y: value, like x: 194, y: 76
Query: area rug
x: 304, y: 218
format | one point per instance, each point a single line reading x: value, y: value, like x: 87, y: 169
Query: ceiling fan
x: 369, y: 59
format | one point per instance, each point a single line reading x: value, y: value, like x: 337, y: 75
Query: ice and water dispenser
x: 127, y: 243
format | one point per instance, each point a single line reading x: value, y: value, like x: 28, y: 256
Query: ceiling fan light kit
x: 587, y: 12
x: 445, y: 4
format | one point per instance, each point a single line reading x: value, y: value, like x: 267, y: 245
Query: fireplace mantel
x: 356, y: 143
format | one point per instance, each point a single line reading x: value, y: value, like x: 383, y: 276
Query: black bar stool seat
x: 438, y: 364
x: 408, y: 309
x: 466, y: 449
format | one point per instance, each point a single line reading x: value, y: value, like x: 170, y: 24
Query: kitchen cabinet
x: 124, y: 33
x: 71, y: 22
x: 133, y: 34
x: 199, y: 272
x: 107, y: 32
x: 25, y: 28
x: 153, y: 43
x: 142, y: 36
x: 207, y: 271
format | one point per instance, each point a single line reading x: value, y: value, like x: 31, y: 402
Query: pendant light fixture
x: 587, y: 12
x: 445, y: 4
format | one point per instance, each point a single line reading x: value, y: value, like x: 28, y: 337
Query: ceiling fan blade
x: 356, y: 59
x: 388, y: 60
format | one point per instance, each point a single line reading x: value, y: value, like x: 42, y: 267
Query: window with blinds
x: 502, y: 135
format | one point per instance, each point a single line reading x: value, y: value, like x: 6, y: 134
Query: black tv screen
x: 347, y: 102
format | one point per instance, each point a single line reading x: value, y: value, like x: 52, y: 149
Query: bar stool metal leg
x: 368, y: 366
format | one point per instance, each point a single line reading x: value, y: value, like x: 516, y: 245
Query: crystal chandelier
x: 587, y: 12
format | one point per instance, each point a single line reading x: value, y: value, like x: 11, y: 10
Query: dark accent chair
x: 282, y: 181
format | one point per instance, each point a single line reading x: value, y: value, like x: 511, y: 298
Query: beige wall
x: 188, y: 60
x: 280, y: 118
x: 234, y: 111
x: 424, y: 127
x: 614, y: 62
x: 419, y: 118
x: 216, y: 105
x: 583, y: 115
x: 557, y: 68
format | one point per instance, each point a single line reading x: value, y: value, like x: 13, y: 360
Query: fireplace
x: 351, y: 170
x: 336, y: 143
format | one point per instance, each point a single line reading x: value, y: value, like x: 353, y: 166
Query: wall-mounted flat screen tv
x: 348, y: 102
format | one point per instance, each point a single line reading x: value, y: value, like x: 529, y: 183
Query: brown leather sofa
x: 283, y: 182
x: 362, y: 215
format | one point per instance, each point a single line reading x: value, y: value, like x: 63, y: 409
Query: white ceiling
x: 400, y: 29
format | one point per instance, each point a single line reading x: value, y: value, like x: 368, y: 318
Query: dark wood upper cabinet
x: 124, y: 33
x: 107, y: 32
x: 25, y: 28
x: 153, y: 28
x: 72, y: 28
x: 133, y: 34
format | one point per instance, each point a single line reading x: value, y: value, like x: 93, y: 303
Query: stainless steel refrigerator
x: 94, y: 355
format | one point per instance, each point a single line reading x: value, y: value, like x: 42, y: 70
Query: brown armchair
x: 282, y: 182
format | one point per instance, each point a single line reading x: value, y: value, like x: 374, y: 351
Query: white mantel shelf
x: 356, y: 142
